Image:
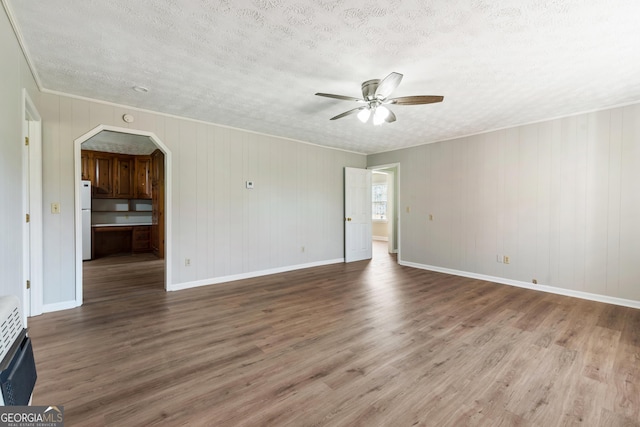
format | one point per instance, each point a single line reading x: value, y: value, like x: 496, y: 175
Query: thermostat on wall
x: 249, y: 185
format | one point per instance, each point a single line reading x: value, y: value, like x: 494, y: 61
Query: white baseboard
x: 380, y: 238
x: 250, y: 275
x: 59, y: 306
x: 526, y: 285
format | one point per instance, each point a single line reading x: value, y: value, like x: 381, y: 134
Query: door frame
x: 78, y: 212
x: 396, y: 201
x: 32, y: 205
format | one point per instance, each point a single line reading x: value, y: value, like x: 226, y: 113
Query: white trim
x: 23, y: 45
x: 250, y: 275
x: 78, y: 213
x: 32, y: 127
x: 58, y: 306
x: 36, y: 77
x: 189, y: 119
x: 453, y: 138
x: 526, y: 285
x: 380, y: 238
x: 395, y: 205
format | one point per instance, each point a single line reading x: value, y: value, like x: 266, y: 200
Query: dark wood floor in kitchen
x: 368, y: 343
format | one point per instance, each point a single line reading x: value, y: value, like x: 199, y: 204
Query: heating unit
x: 18, y: 368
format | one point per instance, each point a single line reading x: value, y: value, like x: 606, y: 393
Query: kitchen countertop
x: 133, y: 224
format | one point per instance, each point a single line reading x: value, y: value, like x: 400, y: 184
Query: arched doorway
x: 118, y: 140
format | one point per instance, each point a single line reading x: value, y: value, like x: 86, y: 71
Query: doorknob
x: 348, y: 219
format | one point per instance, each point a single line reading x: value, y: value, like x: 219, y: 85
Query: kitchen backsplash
x: 120, y: 211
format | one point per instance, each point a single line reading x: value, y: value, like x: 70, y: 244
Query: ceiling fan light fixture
x: 375, y: 93
x: 380, y: 115
x: 364, y: 115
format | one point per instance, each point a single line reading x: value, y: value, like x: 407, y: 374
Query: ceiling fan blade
x: 346, y: 113
x: 342, y: 97
x: 415, y: 100
x: 388, y: 85
x: 391, y: 117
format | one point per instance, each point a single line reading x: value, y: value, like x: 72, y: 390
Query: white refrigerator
x: 85, y: 206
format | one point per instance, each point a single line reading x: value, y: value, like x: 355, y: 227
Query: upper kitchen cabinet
x: 143, y: 177
x: 85, y: 163
x: 124, y: 167
x: 102, y: 174
x: 119, y: 176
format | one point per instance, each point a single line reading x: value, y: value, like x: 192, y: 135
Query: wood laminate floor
x: 362, y: 344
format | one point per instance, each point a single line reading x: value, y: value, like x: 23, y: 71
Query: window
x: 379, y: 201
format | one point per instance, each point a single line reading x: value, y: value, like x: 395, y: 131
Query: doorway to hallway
x: 385, y: 218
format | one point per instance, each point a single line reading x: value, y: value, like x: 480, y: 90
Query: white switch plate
x: 55, y: 208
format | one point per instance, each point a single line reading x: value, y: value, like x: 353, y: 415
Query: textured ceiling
x: 256, y: 64
x: 121, y: 143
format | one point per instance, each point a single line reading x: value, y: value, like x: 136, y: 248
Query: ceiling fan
x: 375, y: 94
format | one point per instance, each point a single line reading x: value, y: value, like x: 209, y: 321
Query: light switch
x: 55, y: 208
x: 249, y: 185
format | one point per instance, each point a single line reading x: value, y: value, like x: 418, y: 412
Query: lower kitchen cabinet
x: 141, y: 239
x: 112, y: 240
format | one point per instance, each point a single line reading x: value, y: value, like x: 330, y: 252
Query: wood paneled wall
x: 14, y: 76
x: 222, y: 227
x: 560, y: 198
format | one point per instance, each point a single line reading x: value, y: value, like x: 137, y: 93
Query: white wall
x: 14, y: 76
x: 223, y: 228
x: 560, y: 198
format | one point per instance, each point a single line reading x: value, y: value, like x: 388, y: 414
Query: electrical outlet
x: 535, y: 281
x: 187, y: 262
x: 505, y: 259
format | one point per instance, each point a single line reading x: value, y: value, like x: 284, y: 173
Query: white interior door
x: 357, y: 214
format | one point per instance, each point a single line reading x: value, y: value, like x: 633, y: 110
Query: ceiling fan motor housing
x: 369, y: 89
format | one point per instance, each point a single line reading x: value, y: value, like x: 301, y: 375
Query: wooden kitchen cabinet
x: 120, y: 239
x: 124, y: 177
x: 141, y: 239
x: 143, y: 177
x: 110, y: 240
x: 157, y: 203
x: 102, y: 174
x: 119, y: 176
x: 85, y: 165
